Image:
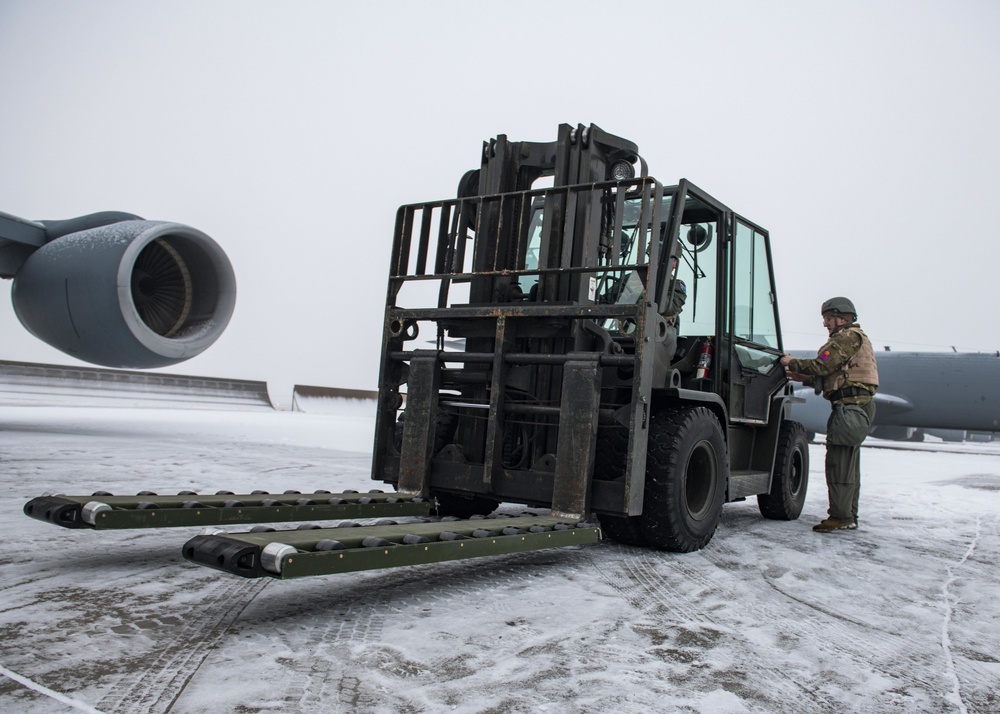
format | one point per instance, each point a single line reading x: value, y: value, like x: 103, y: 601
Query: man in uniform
x: 677, y: 291
x: 846, y: 369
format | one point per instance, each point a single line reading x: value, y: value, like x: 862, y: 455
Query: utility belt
x: 846, y: 392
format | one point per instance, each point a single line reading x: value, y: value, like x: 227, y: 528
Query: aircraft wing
x: 889, y: 405
x: 923, y: 390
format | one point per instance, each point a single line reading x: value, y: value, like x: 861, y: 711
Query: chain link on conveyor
x: 350, y: 547
x: 103, y: 511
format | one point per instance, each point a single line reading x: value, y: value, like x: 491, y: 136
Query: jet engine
x: 135, y: 293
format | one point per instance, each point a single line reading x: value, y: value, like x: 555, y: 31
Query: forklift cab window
x: 754, y: 306
x: 627, y: 287
x: 613, y: 287
x: 697, y: 268
x: 533, y: 249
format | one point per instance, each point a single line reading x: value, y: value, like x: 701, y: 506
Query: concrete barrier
x: 26, y: 384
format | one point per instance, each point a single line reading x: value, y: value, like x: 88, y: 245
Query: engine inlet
x: 161, y: 288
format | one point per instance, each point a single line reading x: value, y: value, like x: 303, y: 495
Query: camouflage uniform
x: 677, y: 291
x: 846, y: 365
x: 664, y: 355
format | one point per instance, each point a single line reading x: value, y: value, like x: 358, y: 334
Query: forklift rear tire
x: 686, y: 475
x: 790, y: 479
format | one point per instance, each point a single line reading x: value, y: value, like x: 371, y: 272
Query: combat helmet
x: 839, y: 306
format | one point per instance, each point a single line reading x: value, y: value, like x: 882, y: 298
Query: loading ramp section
x: 324, y: 551
x: 102, y: 511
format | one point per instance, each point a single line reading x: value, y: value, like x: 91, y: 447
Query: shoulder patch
x: 824, y: 355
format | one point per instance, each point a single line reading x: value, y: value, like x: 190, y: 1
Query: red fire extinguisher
x: 704, y: 361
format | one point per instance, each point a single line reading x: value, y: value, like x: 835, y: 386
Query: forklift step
x: 103, y: 511
x: 303, y: 553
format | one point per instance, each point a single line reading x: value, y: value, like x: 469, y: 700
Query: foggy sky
x: 863, y: 135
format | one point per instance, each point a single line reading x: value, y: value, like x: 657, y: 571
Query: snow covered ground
x: 899, y: 616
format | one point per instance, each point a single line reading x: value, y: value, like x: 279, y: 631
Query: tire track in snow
x: 365, y: 602
x: 948, y: 606
x: 646, y: 579
x: 842, y: 637
x: 679, y: 585
x: 157, y: 681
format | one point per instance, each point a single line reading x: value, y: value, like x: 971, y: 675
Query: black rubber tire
x: 609, y: 465
x: 453, y: 504
x: 687, y: 470
x: 449, y: 504
x: 790, y: 479
x: 444, y: 431
x: 623, y: 529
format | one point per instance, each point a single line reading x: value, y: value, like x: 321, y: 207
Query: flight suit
x: 846, y: 364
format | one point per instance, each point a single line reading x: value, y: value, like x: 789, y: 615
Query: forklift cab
x: 723, y: 263
x: 726, y: 267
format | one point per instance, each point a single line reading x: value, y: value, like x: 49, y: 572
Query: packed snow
x: 898, y: 616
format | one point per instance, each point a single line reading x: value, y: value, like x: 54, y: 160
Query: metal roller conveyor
x: 102, y: 511
x: 303, y: 553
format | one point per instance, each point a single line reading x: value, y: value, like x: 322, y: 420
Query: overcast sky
x: 863, y: 135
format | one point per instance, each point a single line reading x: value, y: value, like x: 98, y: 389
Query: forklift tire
x: 686, y: 476
x: 453, y: 504
x: 790, y: 478
x: 609, y: 465
x: 623, y: 529
x: 444, y: 431
x: 449, y: 504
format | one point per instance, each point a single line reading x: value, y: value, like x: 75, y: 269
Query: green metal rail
x: 102, y: 511
x: 303, y: 553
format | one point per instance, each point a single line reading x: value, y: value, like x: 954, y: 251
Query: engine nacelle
x: 135, y: 294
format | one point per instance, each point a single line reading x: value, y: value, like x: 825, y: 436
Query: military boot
x: 832, y: 524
